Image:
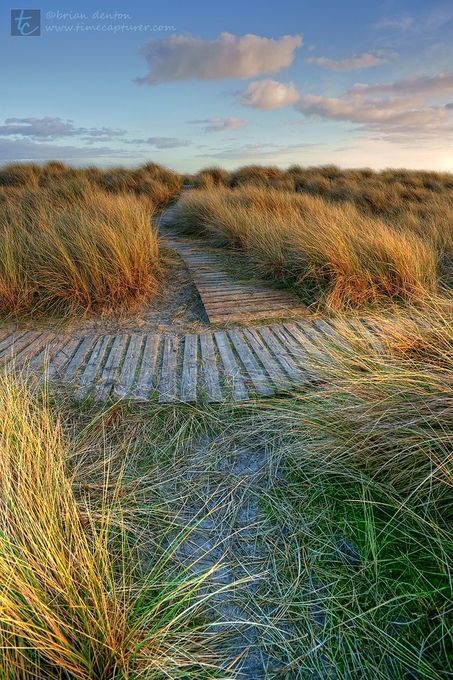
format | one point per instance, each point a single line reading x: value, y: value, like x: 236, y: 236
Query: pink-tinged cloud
x: 185, y: 57
x: 398, y: 110
x: 269, y: 94
x: 360, y: 61
x: 438, y: 84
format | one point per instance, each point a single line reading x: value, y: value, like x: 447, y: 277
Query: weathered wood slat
x: 13, y: 342
x: 233, y: 376
x: 189, y: 369
x: 44, y: 357
x: 253, y: 369
x: 310, y: 341
x: 269, y: 362
x: 5, y: 334
x: 210, y: 370
x: 147, y: 372
x: 168, y: 384
x: 63, y: 356
x: 30, y: 350
x: 331, y: 333
x: 281, y: 353
x: 362, y: 330
x: 111, y: 368
x: 126, y: 379
x: 90, y: 375
x: 79, y: 357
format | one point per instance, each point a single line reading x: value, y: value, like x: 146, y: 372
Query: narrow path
x: 228, y: 295
x: 222, y: 489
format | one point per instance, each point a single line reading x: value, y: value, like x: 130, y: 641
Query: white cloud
x: 360, y: 61
x: 184, y: 57
x: 220, y: 124
x: 269, y: 94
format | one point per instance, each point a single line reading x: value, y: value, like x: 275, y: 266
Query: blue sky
x: 197, y: 84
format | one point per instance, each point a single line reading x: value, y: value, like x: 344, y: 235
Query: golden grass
x: 331, y: 252
x: 75, y: 602
x: 71, y: 248
x: 154, y: 183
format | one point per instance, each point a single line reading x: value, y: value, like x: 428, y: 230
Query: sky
x: 196, y: 84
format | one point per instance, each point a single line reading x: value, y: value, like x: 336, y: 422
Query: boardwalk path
x: 229, y: 363
x: 227, y: 297
x: 237, y: 363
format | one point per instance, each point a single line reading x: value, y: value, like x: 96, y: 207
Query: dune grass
x: 85, y: 590
x: 71, y: 248
x: 332, y: 254
x: 363, y: 546
x: 360, y: 554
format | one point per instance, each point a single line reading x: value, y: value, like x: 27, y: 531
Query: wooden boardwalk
x: 230, y: 297
x: 219, y: 275
x: 234, y: 364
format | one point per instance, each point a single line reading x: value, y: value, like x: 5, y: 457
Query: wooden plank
x: 45, y: 356
x: 309, y: 339
x: 111, y: 368
x: 331, y: 333
x: 269, y: 362
x: 282, y: 355
x: 4, y: 334
x: 168, y: 377
x: 79, y: 357
x: 147, y: 372
x: 362, y: 330
x: 90, y: 374
x: 232, y: 371
x: 189, y: 369
x: 210, y: 370
x: 292, y: 345
x: 297, y: 345
x: 250, y: 364
x: 126, y: 379
x: 14, y: 340
x: 27, y: 353
x: 63, y: 356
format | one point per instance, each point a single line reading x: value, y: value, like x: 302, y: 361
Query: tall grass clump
x: 360, y: 513
x: 330, y: 252
x: 75, y: 601
x: 70, y: 247
x: 152, y: 182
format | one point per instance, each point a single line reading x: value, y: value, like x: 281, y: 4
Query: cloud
x: 396, y: 111
x: 361, y: 61
x: 220, y: 124
x: 262, y: 151
x: 395, y: 23
x: 167, y: 142
x: 185, y: 57
x: 49, y: 128
x: 269, y: 94
x: 160, y: 142
x: 421, y: 86
x: 29, y: 150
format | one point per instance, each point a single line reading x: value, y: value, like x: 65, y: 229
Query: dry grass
x: 68, y: 248
x: 154, y: 183
x: 330, y: 252
x: 76, y: 600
